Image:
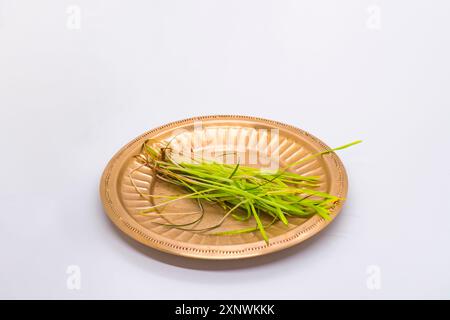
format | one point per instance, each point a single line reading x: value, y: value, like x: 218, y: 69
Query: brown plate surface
x: 122, y: 202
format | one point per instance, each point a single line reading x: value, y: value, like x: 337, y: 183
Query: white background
x: 342, y: 70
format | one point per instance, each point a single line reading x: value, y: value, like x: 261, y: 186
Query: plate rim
x: 134, y: 230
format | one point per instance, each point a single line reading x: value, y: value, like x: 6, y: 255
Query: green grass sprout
x: 243, y: 192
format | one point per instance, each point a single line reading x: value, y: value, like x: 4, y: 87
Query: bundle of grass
x: 280, y: 195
